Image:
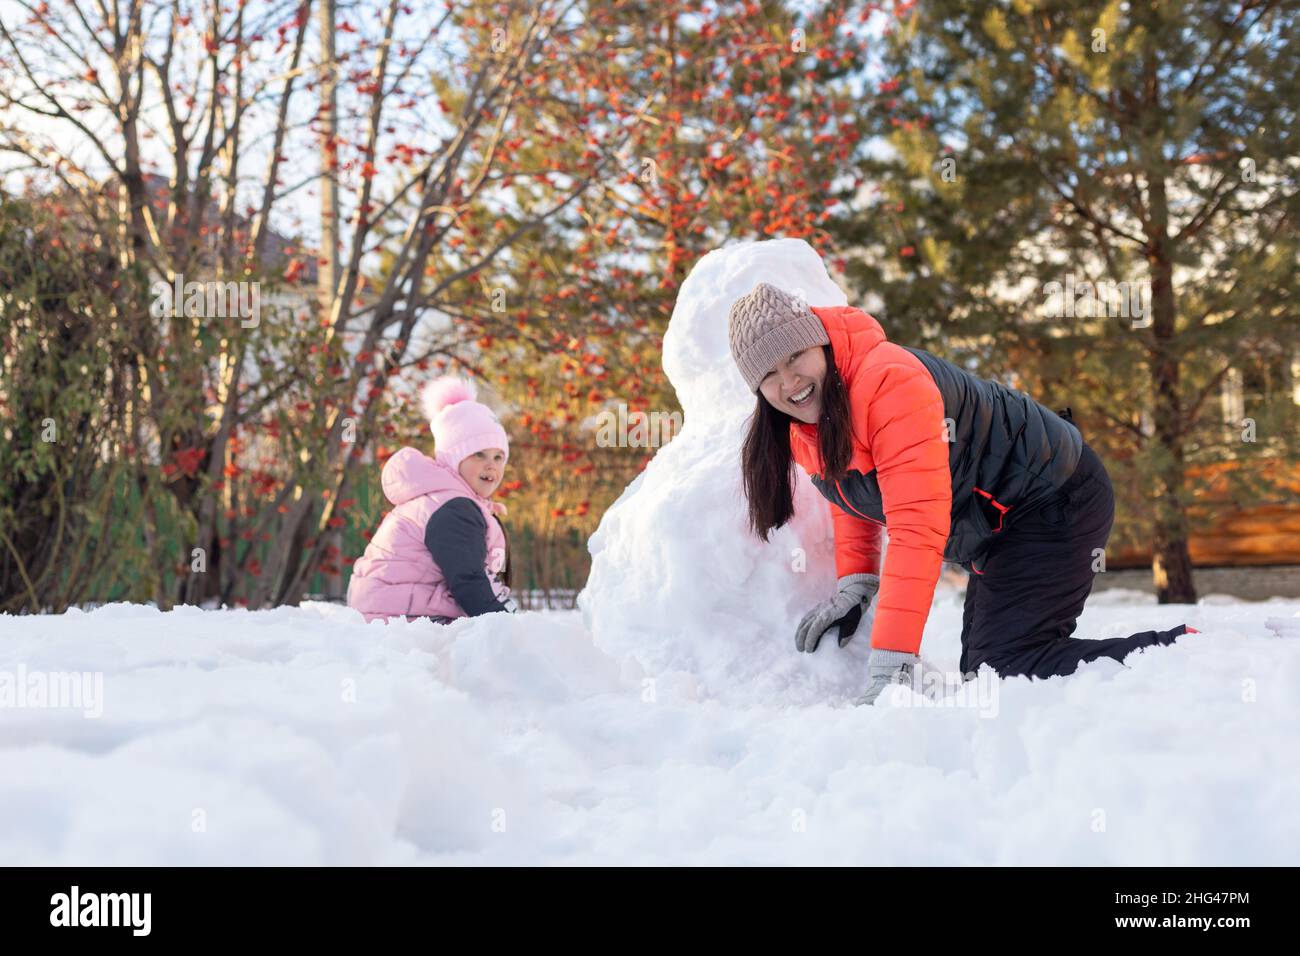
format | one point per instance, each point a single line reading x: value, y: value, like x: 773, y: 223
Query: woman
x: 958, y: 468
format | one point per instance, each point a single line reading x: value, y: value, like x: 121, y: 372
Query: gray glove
x: 889, y: 667
x: 845, y: 609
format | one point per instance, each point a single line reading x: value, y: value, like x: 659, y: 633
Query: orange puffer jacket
x: 945, y: 459
x: 897, y: 416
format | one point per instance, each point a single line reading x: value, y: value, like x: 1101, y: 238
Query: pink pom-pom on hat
x: 444, y: 391
x: 461, y: 426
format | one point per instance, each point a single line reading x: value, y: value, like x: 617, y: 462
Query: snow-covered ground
x: 668, y: 720
x: 302, y: 735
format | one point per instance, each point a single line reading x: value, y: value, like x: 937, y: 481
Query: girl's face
x: 483, y: 470
x: 795, y: 385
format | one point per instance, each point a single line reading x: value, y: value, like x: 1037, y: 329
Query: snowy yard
x: 304, y: 736
x: 667, y: 720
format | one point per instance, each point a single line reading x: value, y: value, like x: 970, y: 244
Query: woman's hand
x: 889, y: 667
x: 845, y: 608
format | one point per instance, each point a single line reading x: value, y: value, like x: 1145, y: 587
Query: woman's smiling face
x: 795, y: 385
x: 482, y: 470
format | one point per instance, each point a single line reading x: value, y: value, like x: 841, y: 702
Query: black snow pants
x: 1021, y: 611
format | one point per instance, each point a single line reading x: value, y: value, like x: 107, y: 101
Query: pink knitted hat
x: 460, y: 425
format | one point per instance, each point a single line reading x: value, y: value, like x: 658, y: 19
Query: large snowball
x: 678, y: 584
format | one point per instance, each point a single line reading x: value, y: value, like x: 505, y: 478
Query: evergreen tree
x: 1097, y: 202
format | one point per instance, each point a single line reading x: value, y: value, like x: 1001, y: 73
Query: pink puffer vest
x: 397, y: 575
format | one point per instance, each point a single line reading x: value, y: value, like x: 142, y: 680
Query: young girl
x: 441, y: 552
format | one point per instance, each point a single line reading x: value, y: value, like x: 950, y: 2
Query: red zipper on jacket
x: 1002, y: 509
x: 847, y: 504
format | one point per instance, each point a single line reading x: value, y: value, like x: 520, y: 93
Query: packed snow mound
x: 697, y: 356
x: 678, y: 582
x: 303, y: 736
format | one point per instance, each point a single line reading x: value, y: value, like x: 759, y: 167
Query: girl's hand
x: 499, y: 509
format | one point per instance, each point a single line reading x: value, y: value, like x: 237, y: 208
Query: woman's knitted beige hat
x: 767, y: 324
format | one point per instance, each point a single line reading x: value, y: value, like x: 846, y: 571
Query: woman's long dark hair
x: 767, y: 465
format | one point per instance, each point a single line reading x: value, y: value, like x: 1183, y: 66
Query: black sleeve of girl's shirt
x: 456, y: 537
